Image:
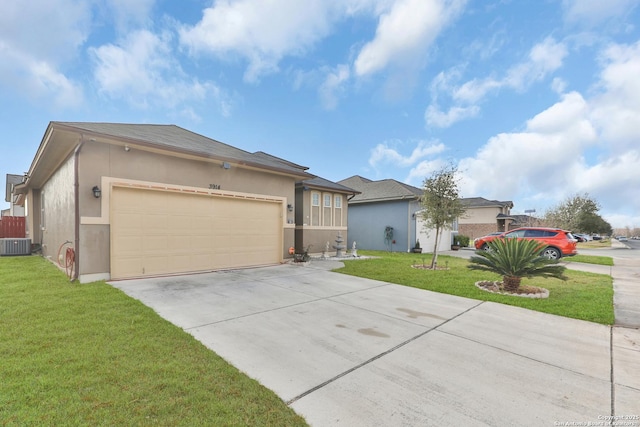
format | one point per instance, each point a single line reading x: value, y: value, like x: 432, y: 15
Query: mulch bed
x: 523, y: 290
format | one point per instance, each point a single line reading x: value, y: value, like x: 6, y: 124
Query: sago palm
x: 514, y: 259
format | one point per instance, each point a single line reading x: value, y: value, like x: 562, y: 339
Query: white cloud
x: 553, y: 157
x: 333, y: 86
x: 142, y: 71
x: 263, y: 32
x: 405, y: 32
x: 617, y: 108
x: 541, y: 159
x: 437, y: 118
x: 589, y: 13
x: 423, y: 170
x: 34, y: 64
x: 543, y: 59
x: 130, y: 14
x: 386, y: 153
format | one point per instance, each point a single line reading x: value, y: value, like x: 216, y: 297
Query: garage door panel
x: 128, y: 245
x: 162, y: 232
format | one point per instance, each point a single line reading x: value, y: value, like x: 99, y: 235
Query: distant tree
x: 593, y: 223
x: 569, y: 214
x: 441, y: 203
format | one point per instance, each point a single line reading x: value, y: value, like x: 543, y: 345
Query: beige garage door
x: 162, y: 232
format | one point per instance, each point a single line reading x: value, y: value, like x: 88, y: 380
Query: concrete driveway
x: 343, y: 350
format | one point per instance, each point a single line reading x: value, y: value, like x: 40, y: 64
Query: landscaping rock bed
x: 523, y: 291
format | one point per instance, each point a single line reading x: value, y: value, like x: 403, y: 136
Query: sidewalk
x: 626, y: 285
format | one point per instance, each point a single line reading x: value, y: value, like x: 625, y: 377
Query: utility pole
x: 529, y: 212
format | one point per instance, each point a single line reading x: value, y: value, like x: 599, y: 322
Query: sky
x: 532, y: 101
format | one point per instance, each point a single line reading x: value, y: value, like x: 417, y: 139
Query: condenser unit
x: 15, y: 247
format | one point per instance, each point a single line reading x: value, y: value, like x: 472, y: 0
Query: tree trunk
x: 434, y: 260
x: 511, y: 283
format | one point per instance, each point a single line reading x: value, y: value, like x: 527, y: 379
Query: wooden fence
x: 12, y: 227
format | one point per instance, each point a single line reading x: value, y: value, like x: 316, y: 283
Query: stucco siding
x: 98, y: 160
x: 427, y: 238
x: 57, y: 223
x: 480, y: 216
x: 315, y: 239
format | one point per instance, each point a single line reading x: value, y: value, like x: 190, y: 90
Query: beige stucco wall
x: 59, y: 207
x: 304, y: 197
x: 99, y: 160
x: 480, y: 216
x: 317, y: 236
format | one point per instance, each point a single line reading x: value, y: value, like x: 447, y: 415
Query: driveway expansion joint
x: 378, y: 356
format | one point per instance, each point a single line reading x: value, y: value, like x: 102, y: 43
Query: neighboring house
x: 321, y: 214
x: 382, y: 204
x: 484, y: 216
x: 427, y: 236
x: 12, y: 198
x: 141, y: 200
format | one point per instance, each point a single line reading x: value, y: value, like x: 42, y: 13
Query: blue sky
x: 534, y: 101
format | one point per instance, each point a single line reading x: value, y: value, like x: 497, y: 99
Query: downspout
x: 409, y: 226
x: 76, y: 194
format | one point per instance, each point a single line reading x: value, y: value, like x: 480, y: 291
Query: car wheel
x: 551, y: 253
x: 485, y: 247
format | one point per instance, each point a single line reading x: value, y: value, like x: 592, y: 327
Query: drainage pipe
x: 76, y: 194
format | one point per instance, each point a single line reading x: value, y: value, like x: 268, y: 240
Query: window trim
x: 326, y: 198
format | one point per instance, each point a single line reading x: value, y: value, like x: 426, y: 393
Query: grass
x: 584, y: 296
x: 590, y: 259
x: 88, y: 354
x: 595, y: 244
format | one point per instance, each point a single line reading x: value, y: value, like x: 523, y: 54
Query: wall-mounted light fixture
x: 96, y: 191
x: 290, y: 207
x: 226, y: 165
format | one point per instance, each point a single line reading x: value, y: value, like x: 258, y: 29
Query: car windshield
x: 516, y: 233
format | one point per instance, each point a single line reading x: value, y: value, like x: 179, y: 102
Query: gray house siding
x: 367, y: 223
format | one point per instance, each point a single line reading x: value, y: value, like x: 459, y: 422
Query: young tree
x: 441, y: 203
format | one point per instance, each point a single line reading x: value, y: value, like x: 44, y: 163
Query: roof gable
x: 12, y: 180
x: 322, y: 183
x: 481, y: 202
x: 383, y: 190
x: 173, y: 137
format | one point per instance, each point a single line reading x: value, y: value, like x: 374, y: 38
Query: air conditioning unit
x: 15, y: 247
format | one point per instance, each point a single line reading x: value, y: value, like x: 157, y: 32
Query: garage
x: 156, y: 231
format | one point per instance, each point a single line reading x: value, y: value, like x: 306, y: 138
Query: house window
x: 315, y: 209
x: 337, y: 204
x: 327, y: 214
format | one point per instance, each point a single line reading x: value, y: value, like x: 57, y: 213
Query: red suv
x: 558, y: 242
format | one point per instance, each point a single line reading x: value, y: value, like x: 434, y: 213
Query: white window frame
x: 337, y: 210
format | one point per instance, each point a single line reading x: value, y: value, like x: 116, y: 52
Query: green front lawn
x: 590, y: 259
x: 584, y: 296
x: 74, y: 354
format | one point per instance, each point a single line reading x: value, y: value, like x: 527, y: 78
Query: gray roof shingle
x: 173, y: 137
x: 319, y: 182
x: 378, y: 191
x: 481, y: 202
